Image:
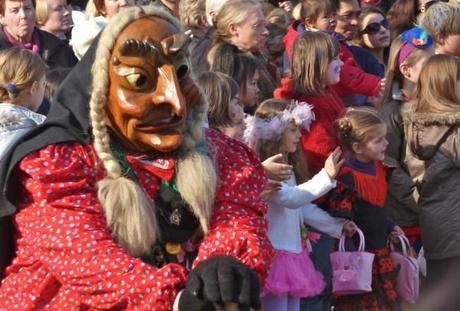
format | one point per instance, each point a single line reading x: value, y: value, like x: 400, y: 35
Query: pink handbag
x: 351, y: 271
x: 407, y: 282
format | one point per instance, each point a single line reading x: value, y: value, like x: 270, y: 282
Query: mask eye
x: 137, y: 80
x: 181, y: 71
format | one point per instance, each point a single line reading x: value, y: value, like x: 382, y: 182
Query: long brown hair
x: 393, y: 74
x: 311, y: 55
x: 436, y: 86
x: 270, y: 147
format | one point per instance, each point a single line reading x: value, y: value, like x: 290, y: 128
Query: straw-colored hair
x: 393, y: 73
x: 233, y: 12
x: 191, y: 13
x: 437, y: 83
x: 311, y: 55
x: 130, y: 214
x: 22, y: 68
x: 441, y: 20
x: 358, y: 125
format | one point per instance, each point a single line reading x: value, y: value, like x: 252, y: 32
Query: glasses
x: 373, y: 28
x: 428, y: 4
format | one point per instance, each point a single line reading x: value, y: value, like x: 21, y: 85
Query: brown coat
x: 435, y: 139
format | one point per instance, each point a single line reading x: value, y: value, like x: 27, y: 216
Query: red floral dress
x: 66, y: 258
x: 360, y: 196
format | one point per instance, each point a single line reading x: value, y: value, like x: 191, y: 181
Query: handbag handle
x: 362, y: 243
x: 404, y: 244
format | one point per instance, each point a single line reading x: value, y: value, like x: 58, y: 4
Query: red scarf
x: 162, y: 168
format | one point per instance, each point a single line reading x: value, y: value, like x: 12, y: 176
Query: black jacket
x: 53, y: 51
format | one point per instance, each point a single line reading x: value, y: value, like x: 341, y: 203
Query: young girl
x: 274, y: 129
x: 315, y: 67
x: 22, y: 88
x: 360, y: 196
x: 408, y: 54
x: 434, y: 137
x: 225, y: 112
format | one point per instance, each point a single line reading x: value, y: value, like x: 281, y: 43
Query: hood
x: 428, y: 131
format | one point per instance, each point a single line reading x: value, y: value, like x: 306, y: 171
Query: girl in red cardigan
x: 315, y: 67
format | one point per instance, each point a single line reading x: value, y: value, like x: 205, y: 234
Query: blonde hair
x: 232, y: 12
x: 191, y: 13
x: 358, y: 125
x: 441, y: 20
x: 266, y: 148
x: 393, y: 74
x: 19, y: 69
x: 436, y: 86
x: 219, y: 89
x: 311, y: 55
x: 129, y: 213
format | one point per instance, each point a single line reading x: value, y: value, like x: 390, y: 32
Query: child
x: 315, y: 67
x: 274, y: 129
x: 360, y: 196
x: 434, y: 137
x: 408, y: 54
x: 225, y: 111
x: 320, y: 16
x: 22, y: 88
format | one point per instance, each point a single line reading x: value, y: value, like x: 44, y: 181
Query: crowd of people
x: 208, y: 154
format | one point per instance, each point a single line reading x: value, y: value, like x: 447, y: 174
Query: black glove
x: 218, y: 280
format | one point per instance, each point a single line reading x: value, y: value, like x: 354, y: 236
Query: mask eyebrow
x: 134, y: 47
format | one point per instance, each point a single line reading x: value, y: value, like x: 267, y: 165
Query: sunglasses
x: 373, y: 28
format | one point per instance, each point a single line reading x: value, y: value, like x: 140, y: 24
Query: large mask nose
x: 168, y: 90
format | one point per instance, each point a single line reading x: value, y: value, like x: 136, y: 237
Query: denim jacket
x: 15, y: 122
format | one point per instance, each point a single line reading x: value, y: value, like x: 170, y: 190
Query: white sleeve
x: 319, y: 219
x: 298, y: 196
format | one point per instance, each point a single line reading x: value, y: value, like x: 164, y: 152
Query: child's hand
x: 394, y: 235
x: 271, y: 187
x: 382, y: 86
x: 334, y: 163
x: 275, y: 169
x: 286, y: 5
x: 349, y: 228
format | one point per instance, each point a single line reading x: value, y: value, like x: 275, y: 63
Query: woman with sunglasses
x: 374, y: 34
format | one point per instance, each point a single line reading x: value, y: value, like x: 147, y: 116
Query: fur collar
x: 436, y: 119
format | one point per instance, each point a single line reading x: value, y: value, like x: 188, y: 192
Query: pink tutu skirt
x: 293, y: 274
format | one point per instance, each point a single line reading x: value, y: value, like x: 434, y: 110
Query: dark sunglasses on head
x: 373, y: 28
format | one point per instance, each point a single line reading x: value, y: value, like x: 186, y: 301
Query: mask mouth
x: 161, y: 117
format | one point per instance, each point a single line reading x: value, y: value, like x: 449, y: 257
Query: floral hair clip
x: 266, y: 129
x: 416, y: 37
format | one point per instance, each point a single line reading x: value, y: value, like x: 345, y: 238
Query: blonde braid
x: 129, y: 214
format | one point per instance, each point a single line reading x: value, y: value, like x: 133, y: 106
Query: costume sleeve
x: 63, y: 228
x: 238, y: 226
x: 299, y: 195
x: 321, y: 220
x: 341, y: 199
